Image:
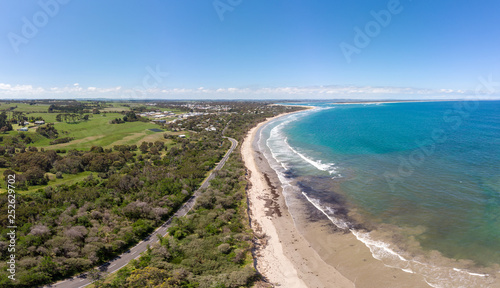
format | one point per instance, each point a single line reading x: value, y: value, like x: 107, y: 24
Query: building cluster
x: 26, y: 123
x: 41, y: 122
x: 191, y: 114
x: 157, y: 114
x: 207, y: 107
x: 209, y: 128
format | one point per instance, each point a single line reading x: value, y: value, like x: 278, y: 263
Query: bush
x: 62, y: 140
x: 48, y: 131
x: 35, y: 176
x: 3, y: 163
x: 224, y: 248
x: 59, y: 175
x: 69, y: 164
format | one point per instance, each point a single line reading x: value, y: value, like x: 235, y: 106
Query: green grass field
x: 96, y: 132
x: 22, y: 107
x: 48, y: 117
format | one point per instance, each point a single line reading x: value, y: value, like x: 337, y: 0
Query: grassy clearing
x: 22, y: 107
x: 48, y: 117
x: 116, y: 107
x: 131, y: 139
x: 67, y: 179
x: 96, y: 131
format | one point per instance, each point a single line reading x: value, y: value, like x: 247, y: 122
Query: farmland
x: 96, y: 131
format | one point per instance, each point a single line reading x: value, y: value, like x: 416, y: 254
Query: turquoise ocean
x: 417, y: 182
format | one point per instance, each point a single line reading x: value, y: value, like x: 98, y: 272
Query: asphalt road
x: 134, y: 253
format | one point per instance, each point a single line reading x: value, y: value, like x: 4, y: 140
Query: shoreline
x: 367, y: 102
x: 297, y: 251
x: 284, y: 256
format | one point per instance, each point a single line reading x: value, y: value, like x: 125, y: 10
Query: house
x: 182, y: 136
x: 23, y: 129
x: 40, y: 122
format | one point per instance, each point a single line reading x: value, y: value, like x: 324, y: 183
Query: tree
x: 154, y: 150
x: 130, y: 117
x: 8, y: 172
x: 40, y: 231
x: 96, y: 149
x: 48, y: 131
x: 94, y: 275
x: 69, y: 164
x: 159, y: 145
x: 98, y: 164
x: 144, y: 147
x: 35, y: 176
x: 224, y: 248
x: 25, y: 161
x: 19, y: 117
x: 148, y: 277
x: 4, y: 124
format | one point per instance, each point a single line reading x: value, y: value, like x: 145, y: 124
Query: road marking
x: 121, y: 267
x: 133, y: 253
x: 138, y: 256
x: 112, y: 265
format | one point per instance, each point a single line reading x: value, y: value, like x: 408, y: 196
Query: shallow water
x: 418, y: 183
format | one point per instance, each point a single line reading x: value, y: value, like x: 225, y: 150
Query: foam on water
x: 330, y: 215
x: 330, y: 168
x: 282, y: 156
x: 435, y: 276
x: 281, y: 151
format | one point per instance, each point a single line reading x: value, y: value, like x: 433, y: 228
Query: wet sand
x: 307, y: 250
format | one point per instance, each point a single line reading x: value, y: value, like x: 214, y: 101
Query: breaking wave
x: 435, y: 276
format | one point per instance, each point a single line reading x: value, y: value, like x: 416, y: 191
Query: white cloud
x: 8, y: 91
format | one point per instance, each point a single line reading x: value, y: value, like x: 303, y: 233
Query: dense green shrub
x: 62, y: 140
x: 48, y: 131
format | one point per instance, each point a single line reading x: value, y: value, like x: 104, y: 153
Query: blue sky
x: 249, y: 49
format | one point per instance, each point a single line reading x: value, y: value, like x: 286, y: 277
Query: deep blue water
x: 429, y: 169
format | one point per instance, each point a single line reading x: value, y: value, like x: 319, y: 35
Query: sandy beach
x: 307, y: 251
x: 285, y: 258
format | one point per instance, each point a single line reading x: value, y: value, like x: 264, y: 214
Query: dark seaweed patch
x: 322, y: 188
